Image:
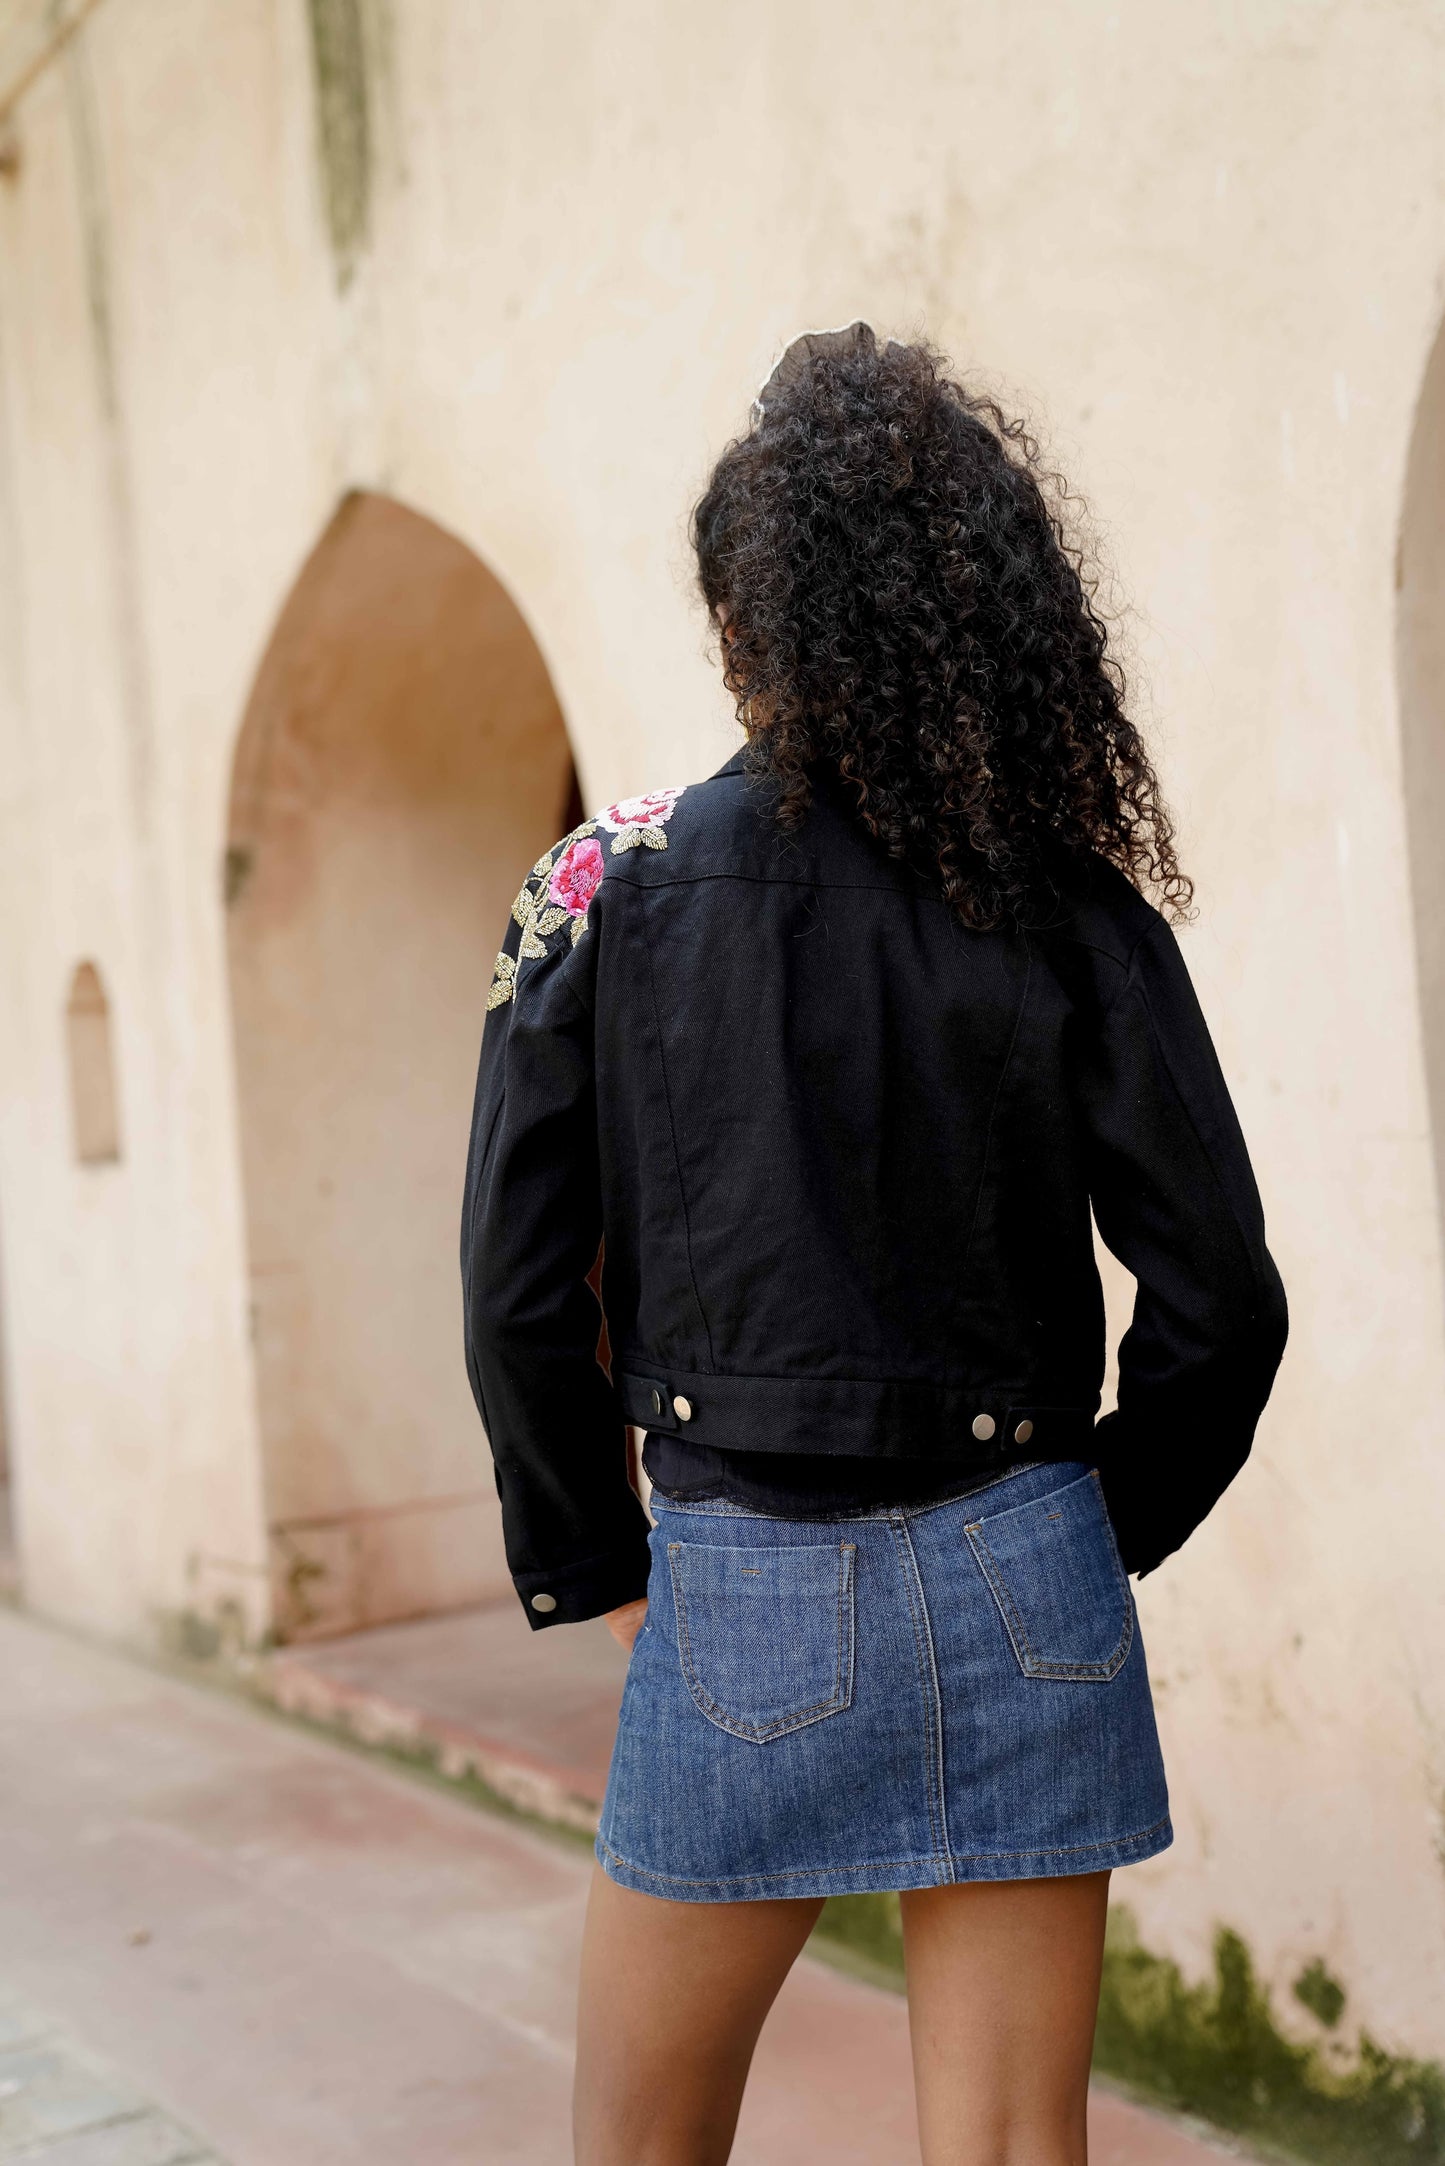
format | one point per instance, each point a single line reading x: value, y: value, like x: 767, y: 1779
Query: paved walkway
x: 60, y: 2107
x: 308, y: 1959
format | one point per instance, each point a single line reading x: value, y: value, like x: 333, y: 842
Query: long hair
x: 905, y: 607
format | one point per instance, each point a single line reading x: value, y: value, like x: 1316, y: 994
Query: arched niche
x: 402, y: 761
x: 95, y: 1119
x: 1420, y: 581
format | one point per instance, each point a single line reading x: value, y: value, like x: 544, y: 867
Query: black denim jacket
x: 843, y: 1152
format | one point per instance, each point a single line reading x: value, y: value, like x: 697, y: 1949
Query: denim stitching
x: 753, y: 1733
x: 671, y: 878
x: 1069, y: 1850
x: 848, y: 1625
x: 635, y: 1361
x: 907, y: 1566
x: 1033, y: 1665
x: 629, y: 1683
x: 800, y: 1872
x: 874, y: 1865
x: 937, y: 1691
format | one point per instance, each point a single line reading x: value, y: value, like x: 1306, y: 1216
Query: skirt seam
x: 939, y: 1767
x: 913, y: 1591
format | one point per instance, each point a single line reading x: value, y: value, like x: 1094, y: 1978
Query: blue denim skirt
x: 898, y: 1699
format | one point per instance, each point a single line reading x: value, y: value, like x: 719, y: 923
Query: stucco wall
x: 1203, y: 246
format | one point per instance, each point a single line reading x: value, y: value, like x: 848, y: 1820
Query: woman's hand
x: 625, y: 1623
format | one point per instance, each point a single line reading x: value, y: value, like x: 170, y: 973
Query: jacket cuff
x: 571, y: 1593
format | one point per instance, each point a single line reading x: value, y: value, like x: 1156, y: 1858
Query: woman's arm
x: 1175, y: 1200
x: 576, y: 1535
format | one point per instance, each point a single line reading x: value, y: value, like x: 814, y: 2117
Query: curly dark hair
x: 905, y: 603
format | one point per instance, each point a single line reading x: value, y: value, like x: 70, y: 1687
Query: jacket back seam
x: 669, y: 878
x: 666, y: 877
x: 1004, y: 1066
x: 672, y: 1132
x: 632, y: 1360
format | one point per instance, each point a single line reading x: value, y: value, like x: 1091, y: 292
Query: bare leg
x: 673, y: 1997
x: 1003, y: 1993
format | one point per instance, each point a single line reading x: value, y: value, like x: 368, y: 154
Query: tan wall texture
x: 520, y: 269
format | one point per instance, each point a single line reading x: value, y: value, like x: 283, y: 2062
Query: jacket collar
x: 734, y: 766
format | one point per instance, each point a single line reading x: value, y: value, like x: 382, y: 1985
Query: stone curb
x: 520, y: 1779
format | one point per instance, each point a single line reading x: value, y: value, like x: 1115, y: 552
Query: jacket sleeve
x: 1175, y: 1200
x: 575, y: 1533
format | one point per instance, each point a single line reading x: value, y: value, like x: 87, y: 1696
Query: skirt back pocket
x: 1053, y: 1566
x: 765, y: 1635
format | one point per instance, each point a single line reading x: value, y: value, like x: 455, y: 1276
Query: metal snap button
x: 682, y: 1408
x: 657, y: 1402
x: 1023, y: 1432
x: 983, y: 1427
x: 544, y: 1602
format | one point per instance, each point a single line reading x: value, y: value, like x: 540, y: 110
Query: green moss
x: 239, y: 864
x: 206, y: 1638
x: 1214, y: 2050
x: 1323, y: 1995
x: 343, y: 125
x: 197, y: 1638
x: 863, y: 1934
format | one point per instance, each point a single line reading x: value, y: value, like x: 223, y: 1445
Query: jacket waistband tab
x: 865, y: 1418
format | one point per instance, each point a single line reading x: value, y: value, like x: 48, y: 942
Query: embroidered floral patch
x: 577, y: 876
x: 559, y: 889
x: 634, y: 820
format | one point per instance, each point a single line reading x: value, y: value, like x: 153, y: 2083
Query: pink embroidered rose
x: 576, y: 877
x: 653, y: 809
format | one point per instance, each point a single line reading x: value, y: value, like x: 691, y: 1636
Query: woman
x: 836, y: 1053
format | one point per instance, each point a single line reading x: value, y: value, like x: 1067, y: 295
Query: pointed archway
x: 403, y: 758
